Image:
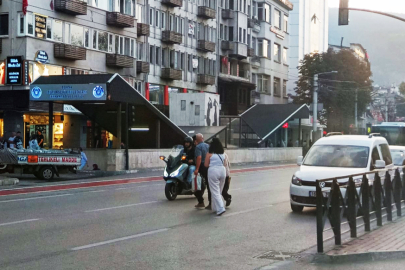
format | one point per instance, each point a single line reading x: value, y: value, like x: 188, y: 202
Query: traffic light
x: 344, y: 12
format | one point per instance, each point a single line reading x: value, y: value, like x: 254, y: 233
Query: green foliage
x: 402, y: 88
x: 338, y: 97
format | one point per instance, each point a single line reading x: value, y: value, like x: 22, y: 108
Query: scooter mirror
x: 162, y: 157
x: 183, y: 158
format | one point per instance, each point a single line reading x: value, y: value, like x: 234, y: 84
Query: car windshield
x: 337, y: 156
x: 397, y: 157
x: 176, y: 151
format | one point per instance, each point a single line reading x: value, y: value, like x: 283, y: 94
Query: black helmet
x: 188, y: 139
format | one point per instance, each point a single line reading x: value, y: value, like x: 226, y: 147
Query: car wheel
x: 46, y: 173
x: 297, y: 208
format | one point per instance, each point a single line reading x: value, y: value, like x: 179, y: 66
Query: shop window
x: 276, y: 87
x: 3, y: 24
x: 37, y: 69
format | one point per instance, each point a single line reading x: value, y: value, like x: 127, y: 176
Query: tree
x: 336, y: 91
x: 402, y: 88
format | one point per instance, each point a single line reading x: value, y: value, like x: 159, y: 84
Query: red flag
x: 25, y: 5
x: 51, y: 4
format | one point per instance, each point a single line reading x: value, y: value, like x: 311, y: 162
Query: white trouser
x: 216, y: 179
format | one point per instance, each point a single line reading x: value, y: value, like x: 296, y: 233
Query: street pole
x: 315, y: 108
x: 355, y: 111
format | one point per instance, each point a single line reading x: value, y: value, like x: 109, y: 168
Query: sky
x: 395, y: 6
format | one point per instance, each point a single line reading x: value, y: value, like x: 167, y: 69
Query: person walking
x: 225, y: 194
x: 83, y: 161
x: 201, y: 151
x: 214, y: 161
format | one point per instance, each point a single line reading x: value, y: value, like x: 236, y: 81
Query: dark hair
x: 33, y: 137
x: 18, y: 132
x: 216, y: 147
x: 81, y: 149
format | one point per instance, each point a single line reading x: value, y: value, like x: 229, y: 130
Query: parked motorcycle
x: 175, y: 174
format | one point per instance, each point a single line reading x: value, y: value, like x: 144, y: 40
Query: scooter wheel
x: 171, y: 191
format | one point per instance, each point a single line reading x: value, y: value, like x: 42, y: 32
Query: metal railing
x: 358, y: 200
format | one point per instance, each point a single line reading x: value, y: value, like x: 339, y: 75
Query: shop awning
x: 207, y: 132
x: 264, y: 119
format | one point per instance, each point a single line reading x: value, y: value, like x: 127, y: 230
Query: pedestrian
x: 83, y: 160
x: 95, y: 167
x: 201, y: 151
x: 40, y: 139
x: 290, y: 143
x: 225, y: 194
x: 189, y: 151
x: 11, y: 140
x: 214, y: 161
x: 34, y: 143
x: 18, y: 142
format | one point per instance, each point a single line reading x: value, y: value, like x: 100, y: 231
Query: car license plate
x: 313, y: 194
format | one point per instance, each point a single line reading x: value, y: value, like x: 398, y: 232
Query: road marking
x: 133, y: 187
x: 18, y: 222
x: 36, y: 198
x: 244, y: 211
x: 118, y: 207
x: 119, y: 239
x: 94, y: 191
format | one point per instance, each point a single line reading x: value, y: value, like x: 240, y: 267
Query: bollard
x: 378, y: 196
x: 397, y: 192
x: 351, y: 207
x: 388, y: 195
x: 335, y: 215
x: 319, y: 216
x: 365, y: 204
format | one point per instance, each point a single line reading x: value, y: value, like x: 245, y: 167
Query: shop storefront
x: 38, y: 122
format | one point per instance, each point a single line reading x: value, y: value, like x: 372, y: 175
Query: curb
x: 9, y: 182
x: 358, y: 257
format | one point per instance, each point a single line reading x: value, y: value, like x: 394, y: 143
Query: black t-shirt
x: 190, y: 155
x: 39, y: 139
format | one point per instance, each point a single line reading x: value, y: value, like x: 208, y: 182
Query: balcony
x: 171, y: 37
x: 173, y: 3
x: 119, y: 61
x: 206, y: 12
x: 251, y: 23
x: 239, y: 51
x: 71, y: 52
x: 227, y: 14
x: 72, y: 7
x: 206, y: 46
x: 205, y: 79
x: 255, y: 61
x: 143, y: 29
x: 142, y: 67
x: 120, y: 20
x: 171, y: 74
x: 227, y: 45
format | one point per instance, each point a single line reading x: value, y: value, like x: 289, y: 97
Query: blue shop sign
x: 42, y: 57
x: 75, y: 92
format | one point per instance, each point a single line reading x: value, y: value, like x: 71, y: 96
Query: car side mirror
x: 299, y: 160
x: 379, y: 164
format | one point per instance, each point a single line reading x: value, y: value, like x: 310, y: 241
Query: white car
x: 398, y: 154
x: 334, y: 156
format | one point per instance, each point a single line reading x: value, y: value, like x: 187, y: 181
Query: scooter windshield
x: 176, y: 151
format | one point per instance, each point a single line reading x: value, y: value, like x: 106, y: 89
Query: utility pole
x: 315, y: 107
x: 355, y: 111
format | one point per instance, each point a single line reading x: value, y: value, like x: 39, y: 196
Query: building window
x: 3, y: 24
x: 277, y: 53
x: 76, y: 35
x: 264, y: 48
x: 221, y: 31
x: 157, y: 18
x: 151, y: 16
x: 277, y: 18
x: 244, y: 36
x: 254, y: 46
x: 183, y: 105
x: 157, y: 56
x: 139, y: 13
x: 285, y: 23
x: 102, y: 41
x: 240, y: 34
x: 30, y: 24
x: 151, y: 50
x: 263, y: 83
x: 264, y: 12
x: 276, y: 86
x: 57, y: 30
x: 197, y: 110
x: 285, y: 51
x: 163, y: 20
x: 284, y: 88
x: 86, y: 37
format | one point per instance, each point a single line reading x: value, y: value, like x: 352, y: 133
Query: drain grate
x: 278, y: 256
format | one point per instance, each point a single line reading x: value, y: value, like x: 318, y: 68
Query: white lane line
x: 119, y: 239
x: 18, y: 222
x: 244, y: 211
x: 133, y: 187
x: 118, y: 207
x: 36, y: 198
x: 95, y: 191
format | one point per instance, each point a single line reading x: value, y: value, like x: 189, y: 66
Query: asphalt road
x: 133, y: 226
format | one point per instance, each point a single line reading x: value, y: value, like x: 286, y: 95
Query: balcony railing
x: 251, y: 23
x: 250, y: 52
x: 173, y: 3
x: 171, y: 74
x: 205, y: 79
x: 227, y: 45
x: 142, y: 67
x: 70, y: 52
x: 171, y: 37
x: 73, y: 7
x: 206, y: 46
x: 143, y: 29
x: 227, y: 14
x: 119, y: 61
x: 206, y: 12
x: 120, y: 20
x: 239, y: 51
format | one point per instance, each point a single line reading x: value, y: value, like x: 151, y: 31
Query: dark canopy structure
x: 264, y: 119
x: 149, y: 127
x: 209, y: 132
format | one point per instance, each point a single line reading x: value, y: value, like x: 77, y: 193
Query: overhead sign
x: 42, y: 57
x: 279, y: 33
x: 14, y: 70
x: 61, y: 92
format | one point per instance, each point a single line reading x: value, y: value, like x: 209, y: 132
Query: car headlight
x: 296, y: 181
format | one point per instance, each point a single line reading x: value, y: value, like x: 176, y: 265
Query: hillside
x: 382, y: 37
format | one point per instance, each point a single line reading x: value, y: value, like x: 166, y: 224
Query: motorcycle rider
x: 189, y: 151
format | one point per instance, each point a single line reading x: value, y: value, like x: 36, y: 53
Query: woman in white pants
x: 214, y: 161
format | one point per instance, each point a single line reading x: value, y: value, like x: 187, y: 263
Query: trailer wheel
x: 46, y: 173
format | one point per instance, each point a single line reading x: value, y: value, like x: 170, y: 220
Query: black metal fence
x: 358, y: 198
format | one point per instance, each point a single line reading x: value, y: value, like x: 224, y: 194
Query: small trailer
x: 44, y: 164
